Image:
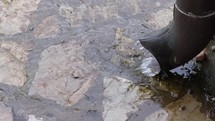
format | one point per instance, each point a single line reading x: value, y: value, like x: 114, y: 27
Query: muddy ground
x: 79, y: 60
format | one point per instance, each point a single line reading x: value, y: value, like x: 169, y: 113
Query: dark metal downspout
x: 191, y: 30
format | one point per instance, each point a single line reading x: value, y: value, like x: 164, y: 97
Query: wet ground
x: 80, y: 60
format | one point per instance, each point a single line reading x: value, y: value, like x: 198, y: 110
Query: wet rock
x: 159, y: 19
x: 172, y: 86
x: 5, y: 113
x: 182, y: 108
x: 98, y: 13
x: 64, y: 75
x: 127, y: 53
x: 159, y: 115
x: 33, y: 118
x: 202, y: 56
x: 191, y: 110
x: 12, y: 63
x: 120, y: 99
x: 76, y: 15
x: 124, y: 44
x: 17, y: 13
x: 48, y: 28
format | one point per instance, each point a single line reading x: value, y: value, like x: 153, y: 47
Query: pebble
x: 182, y: 108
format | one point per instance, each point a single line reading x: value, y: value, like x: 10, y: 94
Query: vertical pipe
x: 196, y: 7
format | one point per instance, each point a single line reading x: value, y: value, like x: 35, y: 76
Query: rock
x: 124, y: 44
x: 33, y: 118
x: 48, y: 28
x: 127, y: 53
x: 5, y: 113
x: 120, y: 99
x: 202, y: 56
x: 64, y: 75
x: 159, y: 19
x: 16, y: 12
x: 12, y: 63
x: 182, y: 108
x: 98, y: 13
x: 76, y: 16
x: 190, y: 110
x: 159, y: 115
x: 172, y: 86
x: 150, y: 66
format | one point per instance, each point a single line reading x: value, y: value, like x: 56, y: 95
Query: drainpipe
x: 186, y: 36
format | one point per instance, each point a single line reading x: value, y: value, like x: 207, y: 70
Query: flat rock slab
x: 127, y: 53
x: 159, y: 115
x: 49, y: 27
x: 5, y: 113
x: 12, y: 63
x: 120, y: 99
x: 104, y: 11
x: 159, y: 19
x: 14, y: 15
x: 64, y: 75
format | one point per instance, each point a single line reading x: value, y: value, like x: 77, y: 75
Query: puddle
x: 189, y: 87
x: 175, y: 95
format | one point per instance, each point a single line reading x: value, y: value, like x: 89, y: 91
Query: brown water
x: 195, y: 79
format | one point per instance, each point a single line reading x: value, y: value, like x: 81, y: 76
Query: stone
x: 76, y: 16
x: 182, y: 108
x: 14, y: 15
x: 48, y: 28
x: 12, y: 63
x: 64, y: 75
x: 98, y: 13
x: 159, y: 19
x: 173, y: 86
x: 121, y: 98
x: 5, y: 113
x: 191, y: 110
x: 127, y: 53
x: 33, y: 118
x: 159, y: 115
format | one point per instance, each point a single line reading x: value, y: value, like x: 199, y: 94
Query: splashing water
x: 150, y: 66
